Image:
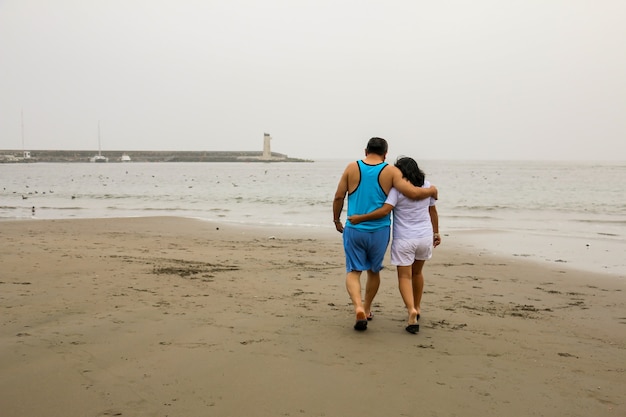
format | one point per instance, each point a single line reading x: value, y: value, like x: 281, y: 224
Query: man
x: 367, y: 183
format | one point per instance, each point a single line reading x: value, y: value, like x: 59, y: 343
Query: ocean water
x: 566, y: 212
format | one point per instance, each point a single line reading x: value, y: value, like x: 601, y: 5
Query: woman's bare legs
x: 405, y: 285
x: 417, y: 280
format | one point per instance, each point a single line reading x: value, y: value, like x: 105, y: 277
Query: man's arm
x: 409, y: 190
x: 340, y: 196
x: 372, y: 215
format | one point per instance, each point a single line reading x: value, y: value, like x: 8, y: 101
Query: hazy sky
x: 482, y: 79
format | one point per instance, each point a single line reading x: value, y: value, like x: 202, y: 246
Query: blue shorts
x: 365, y: 250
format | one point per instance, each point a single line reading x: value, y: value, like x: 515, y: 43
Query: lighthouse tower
x: 267, y: 151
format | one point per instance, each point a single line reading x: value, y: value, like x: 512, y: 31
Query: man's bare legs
x: 405, y: 285
x: 417, y: 278
x: 371, y: 289
x: 353, y: 285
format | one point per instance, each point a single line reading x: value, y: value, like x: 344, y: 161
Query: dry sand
x: 179, y: 317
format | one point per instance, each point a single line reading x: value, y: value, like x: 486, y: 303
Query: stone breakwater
x: 146, y: 156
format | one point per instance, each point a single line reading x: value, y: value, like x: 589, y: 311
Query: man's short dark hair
x: 377, y: 146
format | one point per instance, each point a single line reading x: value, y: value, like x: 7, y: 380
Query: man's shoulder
x: 352, y: 166
x: 389, y: 171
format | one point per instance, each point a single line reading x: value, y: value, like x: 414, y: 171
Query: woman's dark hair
x: 410, y: 170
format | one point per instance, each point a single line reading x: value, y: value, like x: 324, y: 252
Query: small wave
x: 466, y: 216
x: 63, y: 208
x: 602, y: 221
x: 485, y: 208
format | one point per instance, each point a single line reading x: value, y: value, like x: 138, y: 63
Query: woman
x: 415, y: 233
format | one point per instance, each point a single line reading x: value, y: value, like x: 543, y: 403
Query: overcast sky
x: 482, y: 79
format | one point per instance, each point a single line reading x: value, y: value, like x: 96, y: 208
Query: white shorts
x: 405, y: 251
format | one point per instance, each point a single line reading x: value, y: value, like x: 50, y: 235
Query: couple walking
x: 375, y: 188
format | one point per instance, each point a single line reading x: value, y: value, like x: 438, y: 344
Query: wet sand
x: 167, y: 316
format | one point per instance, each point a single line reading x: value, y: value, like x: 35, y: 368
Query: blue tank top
x: 368, y: 196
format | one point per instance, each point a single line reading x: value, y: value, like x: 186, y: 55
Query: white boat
x: 125, y: 158
x: 99, y: 157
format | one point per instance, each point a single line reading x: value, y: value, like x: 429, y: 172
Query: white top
x: 411, y: 218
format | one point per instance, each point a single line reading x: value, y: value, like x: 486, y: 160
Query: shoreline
x: 600, y: 254
x: 178, y: 316
x: 594, y: 255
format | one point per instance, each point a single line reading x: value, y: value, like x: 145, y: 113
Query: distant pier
x: 12, y: 156
x: 9, y: 156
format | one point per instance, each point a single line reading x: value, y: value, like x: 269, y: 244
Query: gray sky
x: 482, y: 79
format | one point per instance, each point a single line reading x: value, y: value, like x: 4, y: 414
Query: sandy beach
x: 166, y: 316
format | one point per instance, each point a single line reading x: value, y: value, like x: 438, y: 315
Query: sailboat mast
x: 23, y: 147
x: 99, y: 150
